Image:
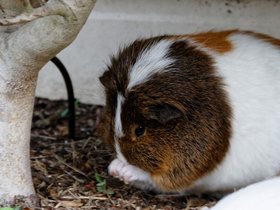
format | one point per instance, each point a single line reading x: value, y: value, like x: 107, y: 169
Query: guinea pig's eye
x: 139, y: 131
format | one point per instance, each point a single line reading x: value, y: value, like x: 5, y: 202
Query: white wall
x: 116, y: 22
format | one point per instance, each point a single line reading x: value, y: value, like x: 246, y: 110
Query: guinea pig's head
x: 166, y: 111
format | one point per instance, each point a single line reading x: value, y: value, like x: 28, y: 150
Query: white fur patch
x: 118, y: 122
x: 118, y: 128
x: 260, y: 196
x: 119, y: 153
x: 149, y: 62
x: 127, y: 172
x: 251, y: 74
x: 130, y: 174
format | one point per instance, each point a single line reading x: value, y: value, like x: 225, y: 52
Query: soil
x: 72, y: 174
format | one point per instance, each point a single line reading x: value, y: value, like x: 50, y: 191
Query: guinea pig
x: 197, y: 112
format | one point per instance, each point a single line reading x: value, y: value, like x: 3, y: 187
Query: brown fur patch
x: 184, y: 111
x: 216, y: 41
x: 105, y: 129
x: 114, y: 80
x: 201, y: 138
x: 264, y: 37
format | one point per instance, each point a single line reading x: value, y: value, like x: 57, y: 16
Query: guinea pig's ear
x: 106, y: 79
x: 163, y: 113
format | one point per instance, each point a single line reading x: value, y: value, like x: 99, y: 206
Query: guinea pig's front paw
x: 130, y: 174
x: 116, y: 167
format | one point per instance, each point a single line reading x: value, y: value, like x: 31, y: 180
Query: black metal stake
x: 71, y: 98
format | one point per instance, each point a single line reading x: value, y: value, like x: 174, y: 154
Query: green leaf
x: 103, y: 183
x: 77, y: 102
x: 101, y: 189
x: 9, y: 208
x: 63, y: 114
x: 98, y: 178
x: 110, y: 191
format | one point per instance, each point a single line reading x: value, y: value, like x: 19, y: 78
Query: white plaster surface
x: 114, y: 23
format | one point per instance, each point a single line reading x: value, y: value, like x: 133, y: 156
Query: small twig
x: 49, y: 186
x: 73, y: 152
x: 43, y: 137
x: 57, y: 205
x: 73, y: 195
x: 85, y: 197
x: 69, y: 166
x: 86, y: 143
x: 38, y: 157
x: 74, y: 177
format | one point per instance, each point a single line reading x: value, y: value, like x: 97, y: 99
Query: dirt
x: 72, y: 174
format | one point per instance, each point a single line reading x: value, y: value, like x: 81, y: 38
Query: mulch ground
x: 72, y: 174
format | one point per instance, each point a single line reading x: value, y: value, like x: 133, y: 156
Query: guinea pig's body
x: 196, y: 112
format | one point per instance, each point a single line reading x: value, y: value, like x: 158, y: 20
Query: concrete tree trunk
x: 40, y: 29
